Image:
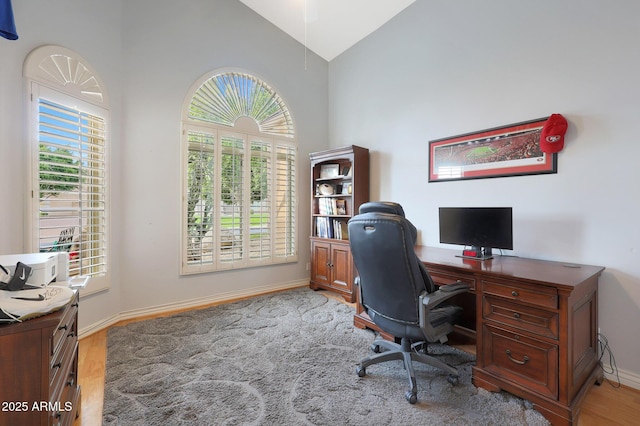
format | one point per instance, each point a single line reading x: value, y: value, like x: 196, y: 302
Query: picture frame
x: 511, y: 150
x: 329, y: 171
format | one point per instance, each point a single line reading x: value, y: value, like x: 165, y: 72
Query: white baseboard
x: 186, y: 304
x: 626, y: 378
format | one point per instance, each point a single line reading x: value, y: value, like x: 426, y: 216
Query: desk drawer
x: 546, y: 297
x: 62, y: 365
x: 65, y: 348
x: 526, y: 318
x: 444, y: 278
x: 66, y: 323
x: 528, y: 362
x: 65, y: 407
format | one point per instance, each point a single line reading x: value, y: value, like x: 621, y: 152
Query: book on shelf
x: 340, y: 230
x: 323, y: 228
x: 332, y: 206
x: 331, y: 228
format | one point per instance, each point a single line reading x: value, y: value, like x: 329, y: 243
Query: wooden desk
x: 39, y: 369
x: 534, y: 322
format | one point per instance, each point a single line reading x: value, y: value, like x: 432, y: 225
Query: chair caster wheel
x: 421, y: 347
x: 375, y: 348
x: 411, y: 397
x: 361, y: 371
x: 454, y: 380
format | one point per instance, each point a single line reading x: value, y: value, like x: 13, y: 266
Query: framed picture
x: 328, y: 171
x: 512, y: 150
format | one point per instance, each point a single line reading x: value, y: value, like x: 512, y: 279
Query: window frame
x: 247, y: 129
x: 81, y: 89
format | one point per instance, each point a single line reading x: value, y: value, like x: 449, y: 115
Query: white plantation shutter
x: 260, y: 227
x: 72, y: 186
x: 285, y: 202
x: 239, y: 203
x: 200, y: 181
x: 232, y: 201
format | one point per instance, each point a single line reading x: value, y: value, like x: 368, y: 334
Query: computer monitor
x: 479, y: 229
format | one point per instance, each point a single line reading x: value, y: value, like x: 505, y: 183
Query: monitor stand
x: 477, y: 253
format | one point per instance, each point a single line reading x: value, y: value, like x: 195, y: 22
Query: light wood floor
x: 604, y: 405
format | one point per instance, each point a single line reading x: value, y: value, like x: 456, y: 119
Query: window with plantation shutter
x: 239, y: 193
x: 69, y: 196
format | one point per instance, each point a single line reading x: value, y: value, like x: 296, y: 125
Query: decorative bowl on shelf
x: 326, y: 189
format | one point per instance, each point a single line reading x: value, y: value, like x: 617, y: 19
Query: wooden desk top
x: 558, y: 274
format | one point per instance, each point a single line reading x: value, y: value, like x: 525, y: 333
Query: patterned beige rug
x: 287, y: 358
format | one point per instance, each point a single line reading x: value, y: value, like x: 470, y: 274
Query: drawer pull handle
x: 516, y: 315
x: 523, y: 362
x: 514, y: 293
x: 57, y: 365
x: 64, y: 327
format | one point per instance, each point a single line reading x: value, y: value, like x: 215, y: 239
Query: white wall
x: 166, y: 49
x: 91, y: 28
x: 150, y: 53
x: 443, y: 68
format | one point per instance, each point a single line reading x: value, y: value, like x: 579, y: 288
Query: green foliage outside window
x: 58, y: 171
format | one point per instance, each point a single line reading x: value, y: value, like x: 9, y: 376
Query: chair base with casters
x: 435, y: 319
x: 407, y: 353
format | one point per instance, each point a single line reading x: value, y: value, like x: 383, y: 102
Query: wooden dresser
x: 39, y: 369
x: 534, y: 322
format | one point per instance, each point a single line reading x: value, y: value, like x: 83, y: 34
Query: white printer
x: 45, y: 267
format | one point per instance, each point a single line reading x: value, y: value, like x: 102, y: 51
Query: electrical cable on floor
x: 604, y: 348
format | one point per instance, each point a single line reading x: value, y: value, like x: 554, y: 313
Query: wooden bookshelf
x: 339, y: 185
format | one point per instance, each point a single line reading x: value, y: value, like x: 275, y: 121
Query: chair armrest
x: 433, y: 300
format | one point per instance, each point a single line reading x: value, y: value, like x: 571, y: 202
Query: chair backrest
x: 381, y: 207
x: 391, y: 274
x: 387, y: 207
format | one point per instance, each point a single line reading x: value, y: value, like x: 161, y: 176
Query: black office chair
x: 397, y: 291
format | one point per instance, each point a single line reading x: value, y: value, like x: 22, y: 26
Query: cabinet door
x: 341, y: 267
x: 321, y: 262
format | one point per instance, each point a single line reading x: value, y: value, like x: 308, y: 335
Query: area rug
x: 286, y: 358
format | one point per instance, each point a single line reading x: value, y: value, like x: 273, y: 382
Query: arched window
x: 239, y: 172
x: 69, y: 117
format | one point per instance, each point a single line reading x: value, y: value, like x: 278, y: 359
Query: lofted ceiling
x: 332, y: 26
